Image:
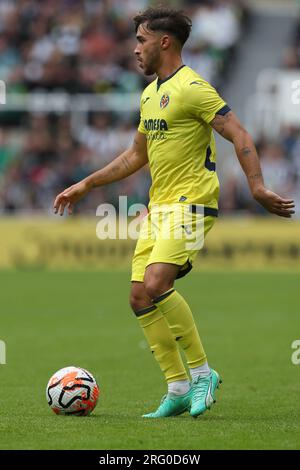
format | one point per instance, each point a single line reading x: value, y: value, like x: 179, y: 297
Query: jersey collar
x: 160, y: 82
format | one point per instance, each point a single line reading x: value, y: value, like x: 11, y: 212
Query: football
x: 72, y: 391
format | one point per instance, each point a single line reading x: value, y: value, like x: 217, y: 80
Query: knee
x: 156, y: 286
x: 135, y: 302
x: 138, y: 301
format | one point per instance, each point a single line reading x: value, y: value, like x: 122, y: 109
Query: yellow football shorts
x: 173, y: 234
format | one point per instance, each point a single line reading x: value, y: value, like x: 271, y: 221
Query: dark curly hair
x: 168, y: 20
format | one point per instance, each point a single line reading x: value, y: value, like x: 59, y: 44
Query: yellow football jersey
x: 175, y: 116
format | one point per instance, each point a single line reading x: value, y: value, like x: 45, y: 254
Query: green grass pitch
x: 247, y: 321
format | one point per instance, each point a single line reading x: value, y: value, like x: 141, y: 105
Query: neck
x: 168, y: 67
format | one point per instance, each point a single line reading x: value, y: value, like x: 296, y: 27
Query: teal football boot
x: 172, y: 405
x: 203, y: 393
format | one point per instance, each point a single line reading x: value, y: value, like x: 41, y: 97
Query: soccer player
x: 179, y: 111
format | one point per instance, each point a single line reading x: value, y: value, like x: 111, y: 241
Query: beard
x: 149, y: 70
x: 150, y: 67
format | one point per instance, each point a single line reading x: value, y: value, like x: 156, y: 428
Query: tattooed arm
x: 122, y: 166
x: 229, y: 127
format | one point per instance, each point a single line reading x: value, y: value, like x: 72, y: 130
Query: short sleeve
x: 201, y: 100
x: 141, y: 127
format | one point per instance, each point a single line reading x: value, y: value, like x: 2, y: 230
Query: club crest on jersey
x: 165, y: 99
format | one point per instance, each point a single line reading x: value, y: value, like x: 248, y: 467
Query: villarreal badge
x: 164, y: 101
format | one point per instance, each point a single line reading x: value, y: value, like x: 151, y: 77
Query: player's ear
x: 165, y: 42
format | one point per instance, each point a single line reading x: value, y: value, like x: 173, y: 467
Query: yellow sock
x: 162, y: 343
x: 181, y: 322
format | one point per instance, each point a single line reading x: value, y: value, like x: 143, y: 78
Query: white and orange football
x: 72, y: 391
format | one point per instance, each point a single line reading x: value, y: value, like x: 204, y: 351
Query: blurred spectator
x: 280, y: 164
x: 86, y: 46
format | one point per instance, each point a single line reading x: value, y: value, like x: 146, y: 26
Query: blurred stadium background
x: 72, y: 97
x: 72, y: 102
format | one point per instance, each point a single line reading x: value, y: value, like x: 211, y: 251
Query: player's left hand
x: 275, y: 204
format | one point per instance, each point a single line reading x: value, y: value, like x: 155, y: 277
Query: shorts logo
x: 165, y: 99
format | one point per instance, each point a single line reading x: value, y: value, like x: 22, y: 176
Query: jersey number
x: 211, y: 166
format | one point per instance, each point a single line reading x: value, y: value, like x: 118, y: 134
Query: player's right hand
x: 70, y: 196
